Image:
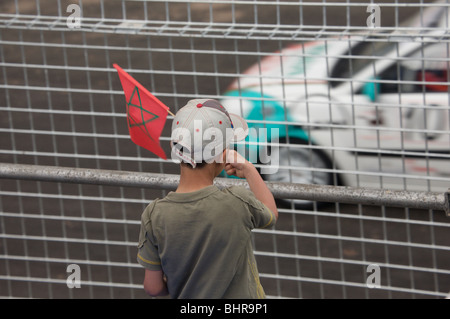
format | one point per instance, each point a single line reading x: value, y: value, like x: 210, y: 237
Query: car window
x: 429, y: 64
x: 358, y: 57
x: 425, y: 70
x: 397, y: 79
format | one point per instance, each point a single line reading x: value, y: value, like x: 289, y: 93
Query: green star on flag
x: 143, y: 117
x: 146, y: 115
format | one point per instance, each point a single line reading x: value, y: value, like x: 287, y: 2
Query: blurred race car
x: 367, y: 112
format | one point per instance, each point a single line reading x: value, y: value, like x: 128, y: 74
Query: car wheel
x: 300, y: 164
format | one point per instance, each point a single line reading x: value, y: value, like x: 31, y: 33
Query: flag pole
x: 170, y: 113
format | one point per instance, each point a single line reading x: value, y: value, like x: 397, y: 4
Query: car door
x: 412, y: 111
x: 415, y: 94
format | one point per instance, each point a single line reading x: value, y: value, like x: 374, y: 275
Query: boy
x: 196, y: 242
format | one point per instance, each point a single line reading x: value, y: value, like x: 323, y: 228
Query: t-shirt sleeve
x: 148, y: 255
x: 261, y: 215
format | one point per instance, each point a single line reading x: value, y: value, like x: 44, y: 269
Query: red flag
x: 146, y: 115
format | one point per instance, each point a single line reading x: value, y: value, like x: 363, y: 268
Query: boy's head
x: 202, y: 130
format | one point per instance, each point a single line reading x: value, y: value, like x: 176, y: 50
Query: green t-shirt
x: 202, y: 242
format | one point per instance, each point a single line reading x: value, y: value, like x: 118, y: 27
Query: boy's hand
x: 237, y: 165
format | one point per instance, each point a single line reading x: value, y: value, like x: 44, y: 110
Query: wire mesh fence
x: 358, y: 91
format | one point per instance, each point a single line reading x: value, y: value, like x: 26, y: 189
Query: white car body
x: 373, y: 137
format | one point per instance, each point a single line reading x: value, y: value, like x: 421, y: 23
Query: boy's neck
x: 192, y: 180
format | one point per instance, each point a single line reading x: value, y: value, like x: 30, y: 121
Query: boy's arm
x: 154, y: 283
x: 240, y: 167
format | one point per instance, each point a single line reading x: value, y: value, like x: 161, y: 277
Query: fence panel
x: 356, y: 93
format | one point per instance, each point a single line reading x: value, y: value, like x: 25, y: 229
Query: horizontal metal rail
x: 246, y: 31
x: 319, y: 193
